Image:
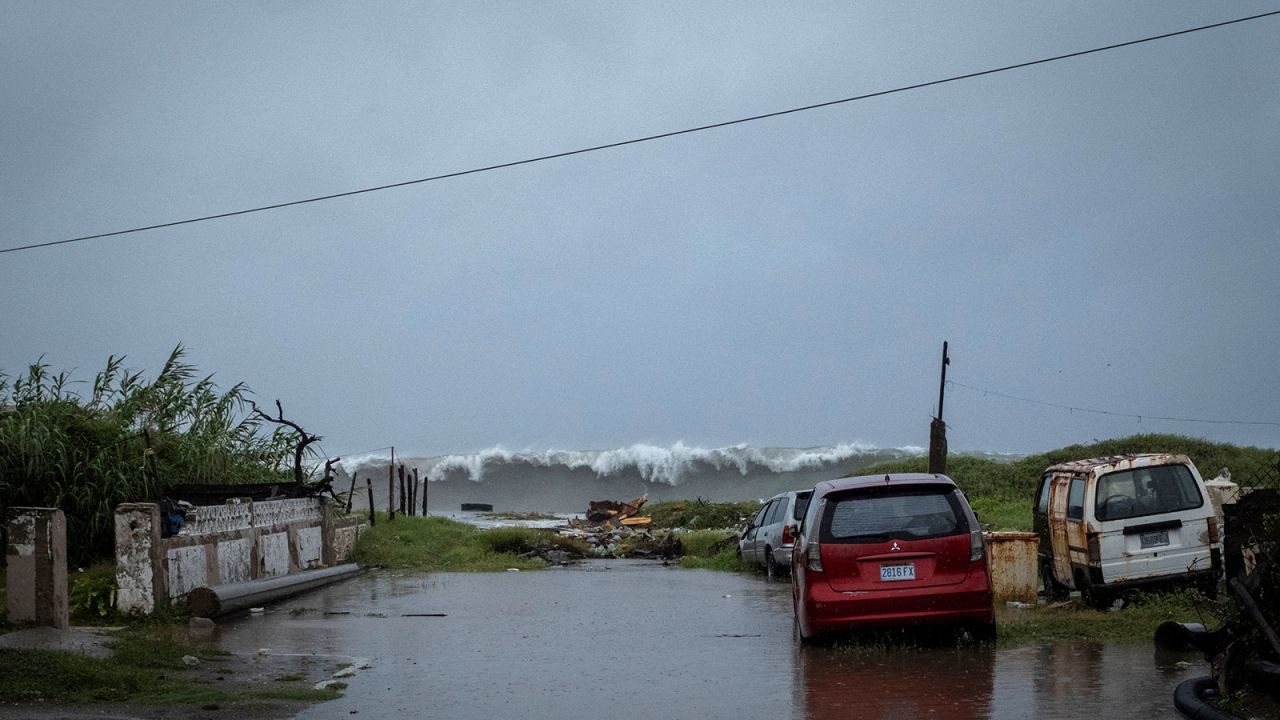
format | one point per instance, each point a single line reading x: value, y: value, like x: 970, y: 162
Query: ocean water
x: 566, y: 480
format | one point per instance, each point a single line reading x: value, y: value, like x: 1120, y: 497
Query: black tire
x: 1099, y: 598
x: 1053, y: 589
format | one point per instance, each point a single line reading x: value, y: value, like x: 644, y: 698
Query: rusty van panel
x: 1110, y: 463
x: 1058, y: 491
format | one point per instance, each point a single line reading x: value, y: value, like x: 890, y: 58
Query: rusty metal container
x: 1014, y: 565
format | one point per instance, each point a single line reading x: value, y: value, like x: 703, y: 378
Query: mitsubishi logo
x: 895, y: 547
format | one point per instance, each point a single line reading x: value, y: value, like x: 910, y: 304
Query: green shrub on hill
x: 1002, y: 492
x: 700, y: 515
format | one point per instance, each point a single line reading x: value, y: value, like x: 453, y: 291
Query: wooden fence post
x: 424, y: 491
x: 400, y: 472
x: 369, y: 485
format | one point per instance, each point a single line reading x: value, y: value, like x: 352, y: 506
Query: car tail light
x: 788, y: 535
x: 813, y: 557
x: 1213, y: 530
x: 976, y: 546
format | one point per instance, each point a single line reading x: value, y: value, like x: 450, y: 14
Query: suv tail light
x: 1213, y: 530
x: 976, y: 547
x: 813, y: 557
x: 788, y: 535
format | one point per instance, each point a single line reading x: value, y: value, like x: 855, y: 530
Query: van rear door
x: 1151, y: 521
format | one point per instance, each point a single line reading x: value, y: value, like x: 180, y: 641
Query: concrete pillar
x: 140, y: 579
x: 37, y: 573
x: 327, y: 512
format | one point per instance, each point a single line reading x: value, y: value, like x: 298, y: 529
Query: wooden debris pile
x: 614, y: 529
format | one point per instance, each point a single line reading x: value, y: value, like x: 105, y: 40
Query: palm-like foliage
x: 88, y: 454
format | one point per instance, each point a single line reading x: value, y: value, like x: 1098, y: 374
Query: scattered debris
x: 424, y: 615
x: 613, y: 529
x: 1248, y: 643
x: 345, y: 672
x: 190, y: 660
x: 330, y: 685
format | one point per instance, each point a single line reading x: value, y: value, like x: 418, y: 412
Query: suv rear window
x: 878, y: 514
x: 1146, y: 491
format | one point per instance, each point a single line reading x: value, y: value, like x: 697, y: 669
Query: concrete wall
x: 221, y: 544
x: 36, y: 571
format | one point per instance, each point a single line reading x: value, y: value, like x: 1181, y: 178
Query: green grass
x: 1135, y: 623
x: 1003, y: 514
x: 439, y: 544
x: 145, y: 668
x: 699, y: 515
x: 712, y: 550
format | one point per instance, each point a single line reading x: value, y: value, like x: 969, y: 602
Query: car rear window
x: 1146, y: 491
x: 878, y: 514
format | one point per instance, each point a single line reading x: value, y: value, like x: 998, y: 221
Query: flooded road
x: 622, y: 638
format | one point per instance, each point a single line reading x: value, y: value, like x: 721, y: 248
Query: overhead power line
x: 1139, y: 417
x: 647, y: 138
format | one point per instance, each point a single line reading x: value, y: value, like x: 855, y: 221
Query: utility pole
x: 937, y: 428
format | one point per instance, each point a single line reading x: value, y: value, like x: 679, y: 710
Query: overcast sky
x: 1100, y: 232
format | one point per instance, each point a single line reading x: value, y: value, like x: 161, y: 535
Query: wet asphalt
x: 634, y: 638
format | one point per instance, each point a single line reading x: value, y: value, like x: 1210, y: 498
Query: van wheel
x: 770, y: 567
x: 1053, y: 589
x: 1094, y: 596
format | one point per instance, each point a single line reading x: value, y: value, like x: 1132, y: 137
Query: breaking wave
x: 653, y: 464
x: 565, y: 480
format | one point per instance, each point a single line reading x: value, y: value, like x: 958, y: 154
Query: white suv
x: 767, y: 540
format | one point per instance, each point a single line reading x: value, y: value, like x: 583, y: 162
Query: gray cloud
x: 1099, y: 232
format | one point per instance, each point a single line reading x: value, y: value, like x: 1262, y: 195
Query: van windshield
x: 879, y: 514
x: 1146, y: 491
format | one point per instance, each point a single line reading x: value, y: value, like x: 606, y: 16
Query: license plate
x: 893, y: 573
x: 1155, y: 538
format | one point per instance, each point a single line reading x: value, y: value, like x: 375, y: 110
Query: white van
x: 1112, y: 523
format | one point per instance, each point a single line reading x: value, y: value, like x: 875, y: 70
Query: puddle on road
x: 624, y: 638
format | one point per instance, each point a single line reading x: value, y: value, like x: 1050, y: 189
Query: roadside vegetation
x: 86, y: 447
x: 713, y: 550
x: 1136, y: 622
x: 143, y: 668
x: 439, y: 544
x: 699, y: 514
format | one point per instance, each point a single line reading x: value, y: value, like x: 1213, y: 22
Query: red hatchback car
x: 887, y: 551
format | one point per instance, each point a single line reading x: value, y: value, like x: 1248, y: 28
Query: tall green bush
x: 127, y: 439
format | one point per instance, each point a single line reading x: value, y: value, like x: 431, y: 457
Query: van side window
x: 1075, y: 499
x: 1042, y: 503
